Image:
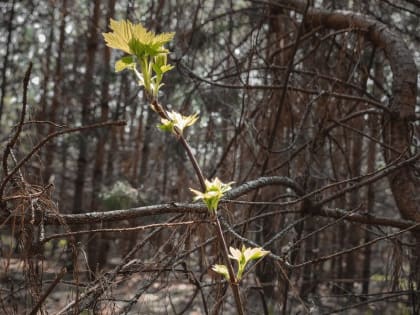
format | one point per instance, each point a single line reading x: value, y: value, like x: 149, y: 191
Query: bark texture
x: 397, y: 129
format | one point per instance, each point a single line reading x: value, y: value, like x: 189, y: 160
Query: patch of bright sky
x: 237, y: 5
x: 41, y: 38
x: 69, y: 28
x: 35, y: 80
x: 396, y: 17
x: 369, y: 85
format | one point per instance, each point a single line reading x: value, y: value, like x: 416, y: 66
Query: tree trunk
x: 397, y: 129
x: 6, y: 58
x: 145, y: 152
x: 137, y: 148
x: 370, y: 194
x: 92, y: 44
x: 47, y: 73
x: 354, y: 232
x: 57, y: 94
x: 370, y: 206
x: 98, y: 247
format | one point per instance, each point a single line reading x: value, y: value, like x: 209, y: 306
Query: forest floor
x: 172, y: 296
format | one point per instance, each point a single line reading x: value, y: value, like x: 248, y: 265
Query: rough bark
x: 397, y: 130
x: 6, y: 58
x: 92, y: 44
x: 98, y: 247
x: 145, y: 151
x: 57, y: 95
x: 46, y: 69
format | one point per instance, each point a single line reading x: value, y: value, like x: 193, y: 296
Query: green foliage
x: 404, y: 309
x: 146, y: 50
x: 242, y: 257
x: 63, y: 243
x: 134, y: 39
x: 215, y: 190
x: 177, y: 120
x: 403, y: 283
x: 120, y: 196
x: 222, y: 270
x: 127, y: 62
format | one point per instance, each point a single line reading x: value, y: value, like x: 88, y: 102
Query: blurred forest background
x: 309, y: 107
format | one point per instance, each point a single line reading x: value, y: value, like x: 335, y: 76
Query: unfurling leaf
x: 215, y: 190
x: 148, y: 49
x: 177, y: 120
x: 121, y: 35
x: 126, y: 62
x: 244, y: 256
x: 221, y: 269
x: 134, y: 39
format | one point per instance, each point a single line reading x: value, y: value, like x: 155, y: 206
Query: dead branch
x: 48, y: 138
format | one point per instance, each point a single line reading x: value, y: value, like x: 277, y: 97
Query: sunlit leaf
x: 221, y: 269
x: 135, y: 39
x: 214, y: 192
x: 163, y: 38
x: 177, y: 120
x: 126, y: 62
x: 157, y: 69
x: 151, y: 55
x: 166, y: 68
x: 235, y: 253
x: 121, y: 35
x: 254, y: 253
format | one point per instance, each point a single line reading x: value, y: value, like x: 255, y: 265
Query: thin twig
x: 161, y: 111
x: 48, y: 138
x: 183, y: 208
x: 123, y: 230
x: 233, y: 281
x: 12, y: 141
x: 46, y: 122
x: 349, y: 250
x: 48, y: 291
x: 101, y: 284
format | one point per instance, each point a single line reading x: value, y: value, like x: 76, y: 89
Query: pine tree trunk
x: 98, y: 247
x: 85, y: 101
x: 57, y: 94
x: 6, y: 58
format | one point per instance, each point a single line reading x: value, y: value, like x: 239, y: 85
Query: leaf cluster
x: 243, y: 257
x: 215, y: 190
x: 146, y: 51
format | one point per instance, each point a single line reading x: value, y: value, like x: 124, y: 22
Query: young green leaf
x: 215, y: 190
x: 254, y: 253
x: 177, y: 120
x: 121, y: 35
x: 134, y: 39
x: 221, y: 269
x: 146, y: 46
x: 126, y: 62
x: 244, y: 256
